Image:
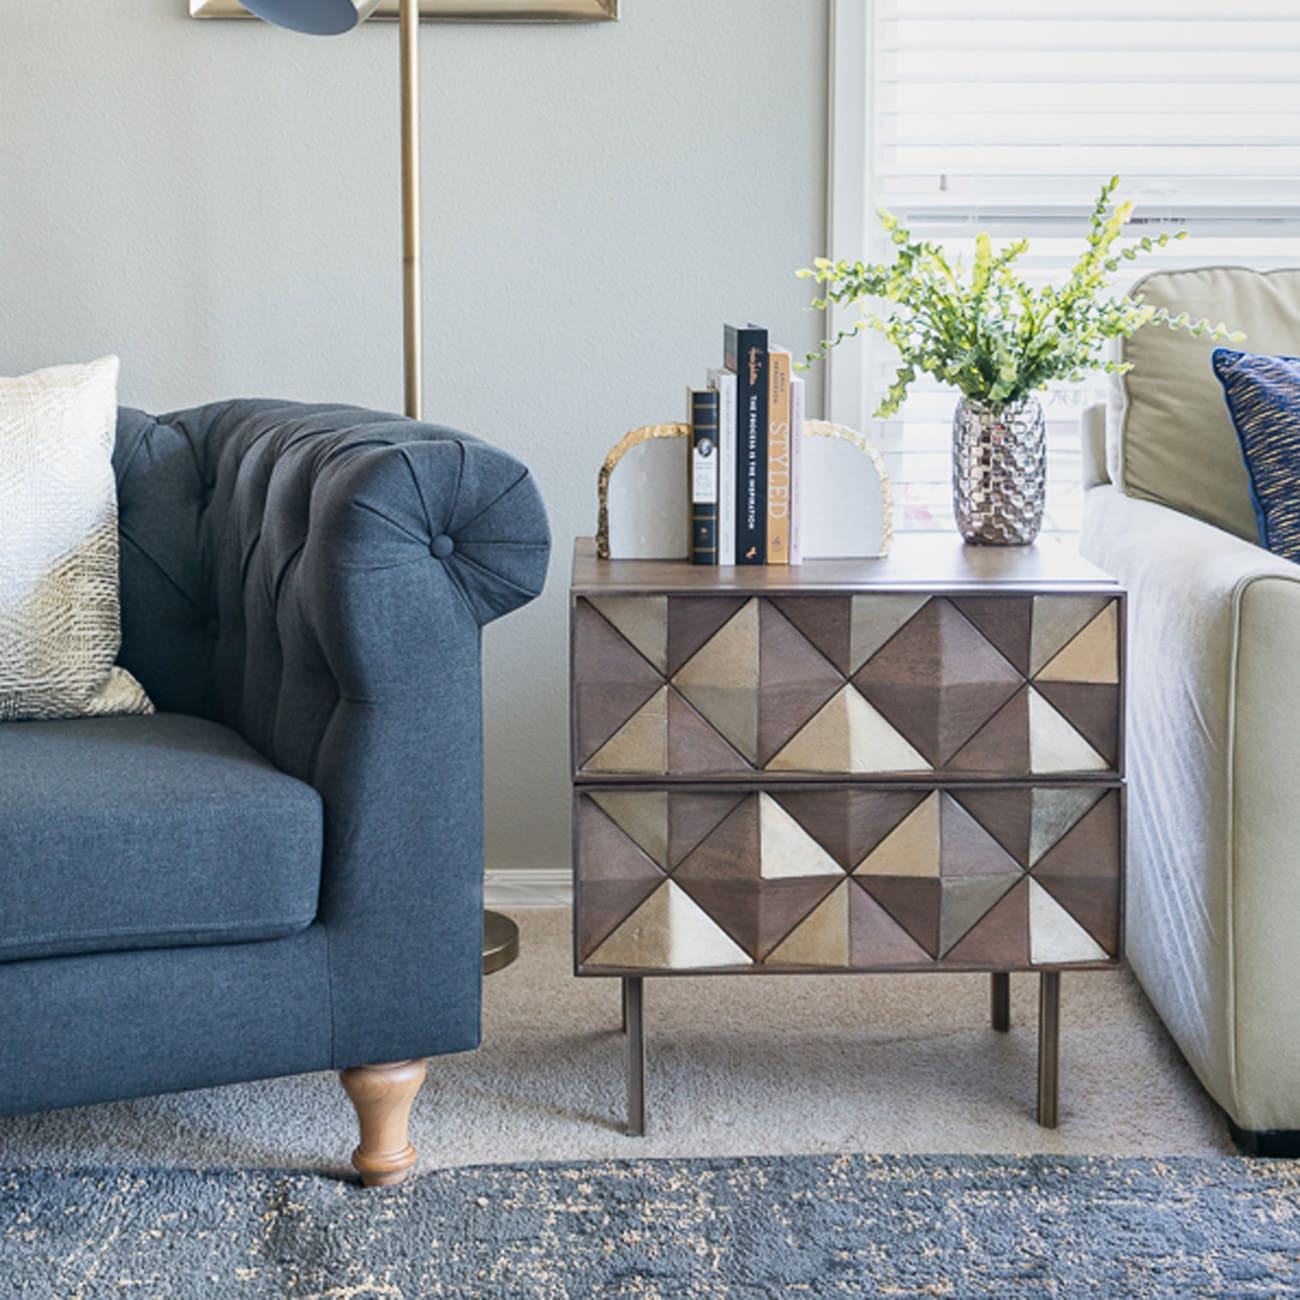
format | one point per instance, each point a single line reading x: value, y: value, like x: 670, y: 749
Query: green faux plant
x: 986, y: 331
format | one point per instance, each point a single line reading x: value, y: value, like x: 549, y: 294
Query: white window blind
x: 1008, y: 116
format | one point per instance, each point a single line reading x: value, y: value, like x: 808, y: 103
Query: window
x: 1008, y: 122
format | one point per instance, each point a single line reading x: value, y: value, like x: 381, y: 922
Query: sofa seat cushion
x: 147, y: 832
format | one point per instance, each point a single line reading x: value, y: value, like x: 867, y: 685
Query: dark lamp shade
x: 316, y: 17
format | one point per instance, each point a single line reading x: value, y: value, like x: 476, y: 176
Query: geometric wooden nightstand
x: 906, y: 764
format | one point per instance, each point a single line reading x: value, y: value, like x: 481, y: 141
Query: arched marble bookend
x: 846, y: 506
x: 643, y: 511
x: 846, y: 512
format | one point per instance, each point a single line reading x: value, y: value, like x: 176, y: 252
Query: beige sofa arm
x: 1092, y: 436
x: 1214, y: 803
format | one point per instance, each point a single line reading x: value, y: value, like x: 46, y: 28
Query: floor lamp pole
x: 500, y: 934
x: 412, y: 308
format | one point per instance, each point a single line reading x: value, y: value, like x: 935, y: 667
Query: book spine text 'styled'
x: 778, y: 457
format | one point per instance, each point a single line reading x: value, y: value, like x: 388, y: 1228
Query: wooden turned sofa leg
x: 382, y: 1096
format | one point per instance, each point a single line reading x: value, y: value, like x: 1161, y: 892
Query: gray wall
x: 217, y: 202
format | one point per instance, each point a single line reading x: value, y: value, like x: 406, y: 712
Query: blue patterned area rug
x: 764, y: 1227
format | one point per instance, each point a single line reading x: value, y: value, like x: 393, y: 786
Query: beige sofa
x: 1213, y: 702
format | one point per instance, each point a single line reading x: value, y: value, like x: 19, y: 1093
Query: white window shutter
x: 1007, y: 117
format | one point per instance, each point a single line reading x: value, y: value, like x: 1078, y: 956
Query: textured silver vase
x: 999, y: 471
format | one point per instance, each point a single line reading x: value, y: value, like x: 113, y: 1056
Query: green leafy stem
x: 985, y: 330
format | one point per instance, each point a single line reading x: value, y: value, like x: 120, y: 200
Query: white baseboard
x: 528, y: 887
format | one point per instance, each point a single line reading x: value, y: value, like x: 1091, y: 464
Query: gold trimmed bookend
x: 643, y: 510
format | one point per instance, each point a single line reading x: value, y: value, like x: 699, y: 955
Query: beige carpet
x: 737, y: 1066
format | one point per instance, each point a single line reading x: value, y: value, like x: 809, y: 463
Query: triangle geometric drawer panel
x: 958, y: 685
x: 847, y: 877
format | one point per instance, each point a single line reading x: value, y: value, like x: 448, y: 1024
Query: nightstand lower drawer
x: 847, y: 877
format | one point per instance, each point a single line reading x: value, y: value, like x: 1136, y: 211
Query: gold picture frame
x: 511, y: 11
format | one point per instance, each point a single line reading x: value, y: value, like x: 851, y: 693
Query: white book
x: 725, y: 382
x: 797, y: 417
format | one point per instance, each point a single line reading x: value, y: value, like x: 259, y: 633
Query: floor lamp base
x: 500, y: 942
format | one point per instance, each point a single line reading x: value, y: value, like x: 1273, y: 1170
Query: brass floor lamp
x: 329, y: 18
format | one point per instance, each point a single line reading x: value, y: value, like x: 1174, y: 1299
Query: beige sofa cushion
x: 1169, y: 436
x: 60, y: 622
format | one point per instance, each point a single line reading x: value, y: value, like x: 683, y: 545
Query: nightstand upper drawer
x: 886, y: 685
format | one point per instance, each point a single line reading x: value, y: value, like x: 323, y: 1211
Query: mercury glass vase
x: 999, y: 471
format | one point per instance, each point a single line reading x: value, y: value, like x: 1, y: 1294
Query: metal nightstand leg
x: 1049, y: 1047
x: 1000, y: 1001
x: 634, y: 1024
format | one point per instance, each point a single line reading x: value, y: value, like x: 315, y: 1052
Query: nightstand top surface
x: 918, y: 561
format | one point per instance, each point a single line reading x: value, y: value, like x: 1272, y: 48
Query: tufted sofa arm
x: 356, y: 543
x: 317, y: 577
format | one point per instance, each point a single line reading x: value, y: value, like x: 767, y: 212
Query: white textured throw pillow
x: 60, y: 620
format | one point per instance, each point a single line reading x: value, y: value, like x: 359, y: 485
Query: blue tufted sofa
x: 281, y: 871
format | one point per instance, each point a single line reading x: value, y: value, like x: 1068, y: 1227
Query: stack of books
x: 746, y: 444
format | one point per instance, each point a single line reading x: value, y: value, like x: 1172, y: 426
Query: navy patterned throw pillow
x: 1263, y: 395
